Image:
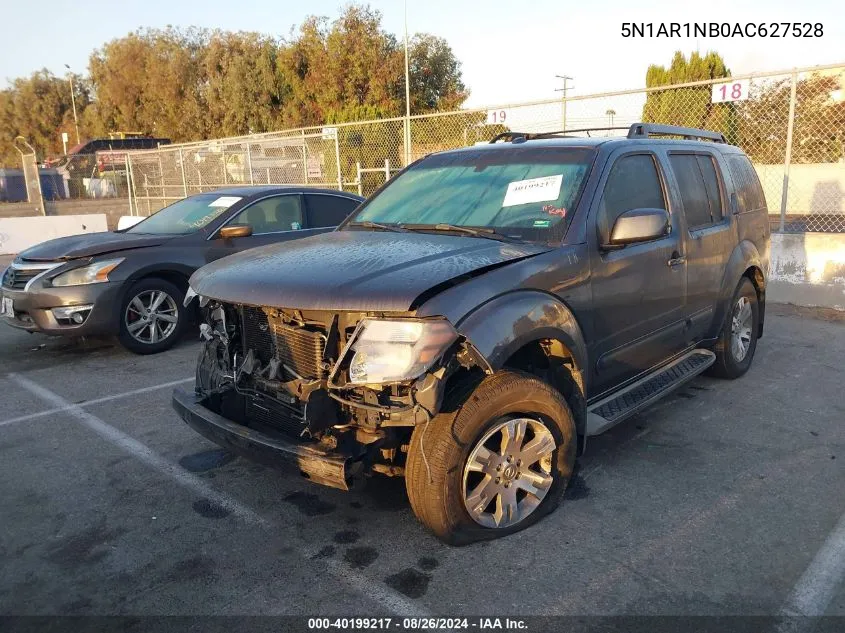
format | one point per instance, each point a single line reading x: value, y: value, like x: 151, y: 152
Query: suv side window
x: 326, y: 210
x: 699, y: 188
x: 748, y: 190
x: 271, y: 215
x: 633, y: 183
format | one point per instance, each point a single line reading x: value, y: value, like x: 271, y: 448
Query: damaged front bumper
x: 313, y: 461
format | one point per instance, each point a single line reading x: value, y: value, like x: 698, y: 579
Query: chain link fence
x: 84, y: 176
x: 791, y: 124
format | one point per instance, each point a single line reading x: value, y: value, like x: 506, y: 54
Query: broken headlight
x: 189, y: 296
x: 386, y: 351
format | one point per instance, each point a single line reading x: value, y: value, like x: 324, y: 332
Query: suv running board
x: 620, y: 405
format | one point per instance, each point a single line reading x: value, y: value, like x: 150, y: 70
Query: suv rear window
x: 749, y: 192
x: 527, y: 192
x: 699, y: 188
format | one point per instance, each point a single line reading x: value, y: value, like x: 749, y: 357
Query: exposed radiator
x: 299, y: 349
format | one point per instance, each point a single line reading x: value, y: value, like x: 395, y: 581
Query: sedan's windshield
x: 525, y: 192
x: 186, y: 216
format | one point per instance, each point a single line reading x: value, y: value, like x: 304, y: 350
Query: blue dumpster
x: 12, y: 185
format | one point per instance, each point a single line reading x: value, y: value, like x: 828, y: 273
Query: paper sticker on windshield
x: 224, y: 201
x: 533, y: 190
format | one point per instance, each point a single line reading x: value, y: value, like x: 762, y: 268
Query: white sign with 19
x: 497, y: 117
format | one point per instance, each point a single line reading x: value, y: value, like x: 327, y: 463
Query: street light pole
x: 73, y: 103
x: 407, y: 95
x: 566, y: 87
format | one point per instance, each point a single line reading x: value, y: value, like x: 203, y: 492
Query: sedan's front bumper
x: 33, y: 309
x: 312, y: 461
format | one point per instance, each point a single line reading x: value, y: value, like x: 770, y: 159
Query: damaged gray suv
x: 488, y: 309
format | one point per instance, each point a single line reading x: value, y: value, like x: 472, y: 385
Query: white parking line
x: 88, y: 403
x: 818, y: 585
x: 368, y: 587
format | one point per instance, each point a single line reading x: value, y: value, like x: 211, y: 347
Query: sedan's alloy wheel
x: 151, y: 316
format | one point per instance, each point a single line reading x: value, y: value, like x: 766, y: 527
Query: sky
x: 510, y: 50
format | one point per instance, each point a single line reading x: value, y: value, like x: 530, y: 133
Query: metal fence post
x: 304, y: 157
x: 31, y: 174
x: 182, y: 167
x: 790, y: 126
x: 249, y: 161
x: 129, y: 185
x: 407, y: 141
x: 337, y: 159
x: 358, y: 178
x: 386, y: 169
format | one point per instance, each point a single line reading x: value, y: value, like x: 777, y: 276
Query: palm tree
x: 610, y: 114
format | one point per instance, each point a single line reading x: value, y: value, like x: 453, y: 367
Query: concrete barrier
x: 114, y: 208
x: 808, y: 269
x: 127, y: 221
x: 18, y: 234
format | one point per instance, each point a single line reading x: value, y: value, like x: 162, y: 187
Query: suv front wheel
x: 495, y: 464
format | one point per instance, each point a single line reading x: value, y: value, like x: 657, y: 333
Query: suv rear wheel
x: 496, y: 464
x: 738, y: 340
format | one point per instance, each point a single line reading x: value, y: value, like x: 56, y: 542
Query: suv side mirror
x: 638, y: 225
x: 235, y: 230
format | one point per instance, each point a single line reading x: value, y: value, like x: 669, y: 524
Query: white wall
x: 817, y: 189
x: 17, y: 234
x: 808, y: 269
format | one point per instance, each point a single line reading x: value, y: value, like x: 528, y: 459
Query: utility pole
x: 407, y: 95
x: 73, y: 103
x: 566, y: 87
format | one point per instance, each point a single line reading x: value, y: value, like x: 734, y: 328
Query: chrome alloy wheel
x: 741, y: 329
x: 151, y: 316
x: 508, y: 472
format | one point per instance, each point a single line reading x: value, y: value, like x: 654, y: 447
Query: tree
x: 192, y: 84
x: 435, y: 73
x: 151, y: 81
x: 39, y: 108
x: 818, y: 129
x: 689, y: 107
x: 347, y: 64
x: 244, y: 87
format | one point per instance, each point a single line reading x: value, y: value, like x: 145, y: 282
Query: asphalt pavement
x: 720, y: 500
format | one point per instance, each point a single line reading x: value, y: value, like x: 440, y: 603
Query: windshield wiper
x: 490, y: 234
x: 375, y: 225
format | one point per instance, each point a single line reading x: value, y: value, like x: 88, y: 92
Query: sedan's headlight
x: 391, y: 351
x: 95, y: 273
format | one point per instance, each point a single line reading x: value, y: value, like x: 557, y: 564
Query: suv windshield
x: 185, y: 216
x: 526, y: 192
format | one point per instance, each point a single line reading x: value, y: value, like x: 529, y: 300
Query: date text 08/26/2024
x: 420, y: 623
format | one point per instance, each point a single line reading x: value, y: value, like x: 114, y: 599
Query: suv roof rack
x: 635, y: 131
x: 527, y: 136
x: 648, y: 130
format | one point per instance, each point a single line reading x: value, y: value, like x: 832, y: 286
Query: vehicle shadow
x: 22, y: 351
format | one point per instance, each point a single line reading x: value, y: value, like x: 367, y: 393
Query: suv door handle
x: 676, y: 260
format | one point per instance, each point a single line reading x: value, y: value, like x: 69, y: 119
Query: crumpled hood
x: 90, y: 244
x: 352, y: 270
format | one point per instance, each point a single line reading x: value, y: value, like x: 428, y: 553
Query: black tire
x: 727, y: 365
x: 152, y: 284
x: 436, y: 490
